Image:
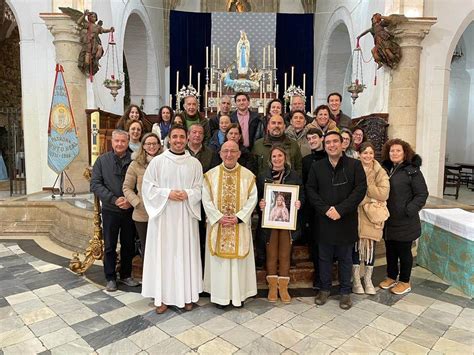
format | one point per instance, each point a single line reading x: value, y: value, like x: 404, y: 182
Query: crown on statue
x: 188, y: 91
x: 294, y: 91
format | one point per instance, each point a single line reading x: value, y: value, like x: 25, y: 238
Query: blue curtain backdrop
x: 190, y: 33
x: 295, y: 47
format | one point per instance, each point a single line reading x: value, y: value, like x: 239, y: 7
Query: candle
x: 220, y: 88
x: 190, y: 73
x: 199, y: 83
x: 268, y: 55
x: 261, y: 90
x: 304, y: 82
x: 212, y: 74
x: 277, y: 90
x: 218, y: 57
x: 213, y: 54
x: 170, y: 104
x: 292, y: 75
x: 274, y: 57
x: 177, y: 82
x: 205, y: 97
x: 286, y: 78
x: 95, y: 137
x: 207, y: 57
x: 312, y: 107
x: 263, y: 57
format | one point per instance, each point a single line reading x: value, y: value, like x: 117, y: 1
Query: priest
x: 229, y: 196
x: 171, y: 194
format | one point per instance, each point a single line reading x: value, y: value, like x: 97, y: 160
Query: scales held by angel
x: 90, y: 29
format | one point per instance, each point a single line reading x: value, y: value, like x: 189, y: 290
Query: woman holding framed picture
x: 281, y: 195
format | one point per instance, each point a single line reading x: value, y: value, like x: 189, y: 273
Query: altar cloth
x: 446, y: 246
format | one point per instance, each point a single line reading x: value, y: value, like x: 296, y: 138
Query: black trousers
x: 141, y: 231
x: 115, y: 224
x: 399, y: 251
x: 343, y: 253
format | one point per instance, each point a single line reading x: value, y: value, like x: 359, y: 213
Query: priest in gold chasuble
x: 229, y: 196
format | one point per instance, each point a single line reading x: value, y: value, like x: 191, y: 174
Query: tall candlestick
x: 205, y: 97
x: 212, y: 75
x: 277, y: 90
x: 261, y: 90
x: 263, y: 57
x: 207, y: 57
x: 268, y: 55
x: 274, y: 57
x: 214, y: 54
x: 177, y: 82
x: 190, y: 73
x: 304, y: 82
x: 292, y: 75
x: 286, y: 79
x: 170, y: 103
x: 199, y: 83
x: 312, y: 107
x: 218, y: 57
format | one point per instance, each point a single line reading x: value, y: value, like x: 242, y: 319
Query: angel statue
x: 243, y: 55
x: 92, y: 49
x: 386, y: 50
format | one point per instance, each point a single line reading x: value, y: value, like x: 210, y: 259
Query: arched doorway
x: 335, y: 66
x: 12, y: 156
x: 460, y: 125
x: 140, y: 64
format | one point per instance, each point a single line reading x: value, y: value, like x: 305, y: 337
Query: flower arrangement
x: 293, y: 91
x: 187, y: 91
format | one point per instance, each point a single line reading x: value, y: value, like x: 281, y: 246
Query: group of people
x: 189, y: 187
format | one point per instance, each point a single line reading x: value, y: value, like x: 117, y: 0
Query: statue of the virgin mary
x: 243, y: 55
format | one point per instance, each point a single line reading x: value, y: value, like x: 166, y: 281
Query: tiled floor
x: 45, y: 308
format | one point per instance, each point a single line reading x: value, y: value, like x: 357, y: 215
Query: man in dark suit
x: 248, y: 120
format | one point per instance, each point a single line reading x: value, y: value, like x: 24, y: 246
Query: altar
x: 446, y: 246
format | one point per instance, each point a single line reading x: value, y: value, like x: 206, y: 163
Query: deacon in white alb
x: 229, y: 196
x: 172, y: 194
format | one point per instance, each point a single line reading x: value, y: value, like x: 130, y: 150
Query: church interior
x: 52, y: 295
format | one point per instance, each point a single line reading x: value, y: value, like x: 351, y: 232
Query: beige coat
x: 378, y: 188
x: 132, y: 190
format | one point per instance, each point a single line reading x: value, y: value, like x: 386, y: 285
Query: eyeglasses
x: 343, y: 179
x: 151, y: 144
x: 346, y: 139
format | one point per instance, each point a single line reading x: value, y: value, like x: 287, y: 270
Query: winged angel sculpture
x: 90, y: 29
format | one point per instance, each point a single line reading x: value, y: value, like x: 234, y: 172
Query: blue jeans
x: 343, y: 253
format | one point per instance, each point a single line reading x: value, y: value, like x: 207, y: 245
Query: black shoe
x: 111, y: 286
x: 221, y: 306
x: 345, y: 302
x: 322, y: 297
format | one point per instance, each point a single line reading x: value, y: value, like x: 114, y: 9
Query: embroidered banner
x: 63, y: 143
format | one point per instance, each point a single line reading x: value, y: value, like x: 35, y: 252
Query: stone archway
x: 335, y: 65
x: 12, y: 152
x: 459, y: 139
x: 141, y: 64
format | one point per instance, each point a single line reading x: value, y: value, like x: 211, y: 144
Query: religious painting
x: 280, y: 211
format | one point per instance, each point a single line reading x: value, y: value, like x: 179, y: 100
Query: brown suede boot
x: 283, y: 282
x: 272, y: 288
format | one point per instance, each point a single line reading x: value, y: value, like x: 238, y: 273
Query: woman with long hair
x: 322, y: 120
x: 162, y: 126
x: 358, y: 137
x: 135, y: 133
x: 347, y: 144
x: 133, y: 113
x: 132, y: 185
x: 408, y: 194
x: 372, y: 213
x: 278, y: 241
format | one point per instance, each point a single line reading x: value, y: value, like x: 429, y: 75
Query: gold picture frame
x: 280, y: 211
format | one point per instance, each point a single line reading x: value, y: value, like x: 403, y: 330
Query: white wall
x: 355, y: 16
x: 453, y: 17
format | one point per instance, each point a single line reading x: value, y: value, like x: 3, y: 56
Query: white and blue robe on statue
x: 172, y: 270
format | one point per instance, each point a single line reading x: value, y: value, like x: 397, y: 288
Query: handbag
x: 376, y: 211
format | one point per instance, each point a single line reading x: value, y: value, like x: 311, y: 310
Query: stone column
x: 68, y: 46
x: 403, y: 99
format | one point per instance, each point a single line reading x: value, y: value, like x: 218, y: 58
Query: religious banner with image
x: 63, y: 143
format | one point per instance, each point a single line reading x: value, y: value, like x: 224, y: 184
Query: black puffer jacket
x: 408, y: 194
x: 290, y: 177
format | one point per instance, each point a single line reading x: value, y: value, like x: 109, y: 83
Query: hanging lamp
x: 112, y: 80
